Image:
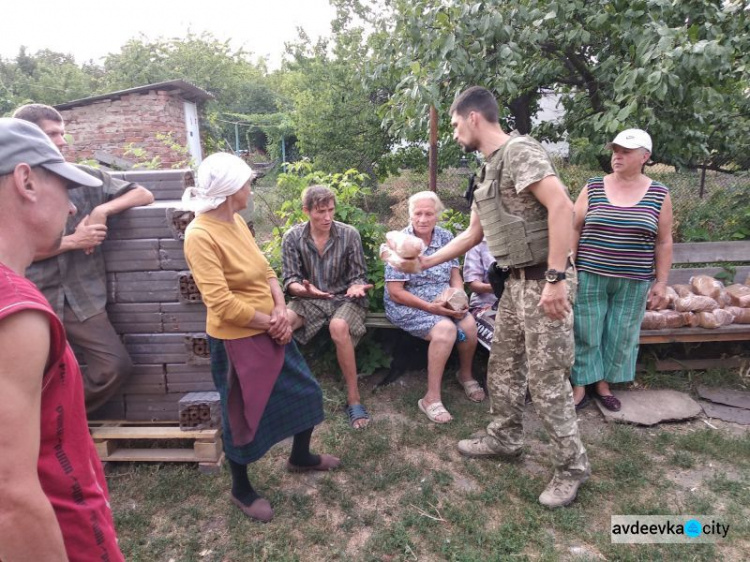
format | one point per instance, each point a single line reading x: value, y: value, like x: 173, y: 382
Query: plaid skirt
x: 295, y: 404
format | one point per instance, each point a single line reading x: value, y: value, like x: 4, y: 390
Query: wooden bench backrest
x: 709, y: 252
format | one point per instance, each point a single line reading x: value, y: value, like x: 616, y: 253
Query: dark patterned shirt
x: 73, y: 277
x: 341, y: 265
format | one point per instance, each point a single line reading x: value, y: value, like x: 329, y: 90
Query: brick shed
x: 104, y: 126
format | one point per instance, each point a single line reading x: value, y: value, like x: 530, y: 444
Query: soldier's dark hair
x: 476, y: 99
x: 317, y: 196
x: 37, y: 112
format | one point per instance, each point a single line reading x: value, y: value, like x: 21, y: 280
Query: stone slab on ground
x: 649, y: 407
x: 727, y: 396
x: 726, y: 413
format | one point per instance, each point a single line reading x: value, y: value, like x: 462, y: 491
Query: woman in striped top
x: 623, y: 226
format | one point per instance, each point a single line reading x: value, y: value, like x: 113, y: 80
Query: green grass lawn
x: 404, y: 492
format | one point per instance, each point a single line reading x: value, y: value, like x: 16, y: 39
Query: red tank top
x: 69, y: 469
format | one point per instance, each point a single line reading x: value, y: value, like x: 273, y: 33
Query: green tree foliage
x: 44, y: 77
x: 351, y: 199
x: 334, y: 115
x: 678, y: 69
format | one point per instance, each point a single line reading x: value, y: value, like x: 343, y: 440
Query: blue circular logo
x: 693, y: 528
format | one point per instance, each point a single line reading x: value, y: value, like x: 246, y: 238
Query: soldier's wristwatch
x: 553, y: 276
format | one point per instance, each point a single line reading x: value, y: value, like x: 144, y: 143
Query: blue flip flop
x: 357, y: 412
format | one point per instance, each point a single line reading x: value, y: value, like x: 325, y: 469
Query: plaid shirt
x: 73, y: 277
x: 341, y: 265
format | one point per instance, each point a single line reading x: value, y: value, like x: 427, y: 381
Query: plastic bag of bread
x: 683, y: 290
x: 723, y: 299
x: 653, y: 320
x: 402, y: 264
x: 706, y: 285
x: 695, y: 303
x: 456, y: 299
x: 715, y: 319
x: 741, y: 315
x: 739, y: 295
x: 405, y: 245
x: 691, y: 319
x: 659, y: 319
x: 671, y: 296
x: 672, y: 318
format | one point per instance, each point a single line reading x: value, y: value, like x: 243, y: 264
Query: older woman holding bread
x: 417, y: 303
x: 267, y: 391
x: 623, y: 227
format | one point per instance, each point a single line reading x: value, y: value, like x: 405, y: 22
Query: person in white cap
x: 53, y: 496
x: 623, y: 234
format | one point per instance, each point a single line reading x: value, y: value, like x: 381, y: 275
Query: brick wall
x: 111, y: 125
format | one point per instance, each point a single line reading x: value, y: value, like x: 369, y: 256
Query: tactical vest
x: 512, y: 240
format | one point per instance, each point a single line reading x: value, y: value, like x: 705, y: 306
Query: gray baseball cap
x: 22, y: 142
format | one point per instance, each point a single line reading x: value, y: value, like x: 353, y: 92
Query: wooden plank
x: 733, y: 332
x: 209, y: 450
x: 152, y: 455
x: 104, y: 448
x: 711, y: 252
x: 151, y: 432
x: 378, y: 320
x: 694, y: 364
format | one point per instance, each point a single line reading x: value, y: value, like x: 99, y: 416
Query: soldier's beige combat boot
x: 561, y: 490
x: 486, y: 447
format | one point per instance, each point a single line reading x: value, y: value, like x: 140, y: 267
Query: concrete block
x: 187, y: 289
x: 200, y: 410
x: 171, y: 255
x: 143, y: 286
x: 136, y: 318
x: 151, y: 349
x: 181, y: 317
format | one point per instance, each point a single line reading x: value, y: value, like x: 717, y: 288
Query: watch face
x: 553, y: 276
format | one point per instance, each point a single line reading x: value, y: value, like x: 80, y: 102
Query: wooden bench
x: 683, y: 254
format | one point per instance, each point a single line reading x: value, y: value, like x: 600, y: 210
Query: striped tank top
x: 620, y: 241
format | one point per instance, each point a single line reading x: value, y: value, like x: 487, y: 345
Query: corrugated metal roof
x: 189, y: 91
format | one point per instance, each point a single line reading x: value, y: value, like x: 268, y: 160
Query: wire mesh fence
x: 708, y: 204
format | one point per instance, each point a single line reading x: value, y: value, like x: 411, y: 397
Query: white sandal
x: 470, y: 388
x: 433, y: 411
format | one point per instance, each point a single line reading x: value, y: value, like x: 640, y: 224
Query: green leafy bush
x: 725, y: 215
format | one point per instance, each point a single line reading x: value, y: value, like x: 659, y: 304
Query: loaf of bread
x: 739, y: 295
x: 405, y: 245
x: 691, y: 319
x: 405, y: 265
x: 659, y: 319
x: 740, y: 315
x: 671, y: 296
x: 706, y: 285
x: 683, y: 290
x: 715, y: 319
x: 695, y: 303
x: 456, y: 299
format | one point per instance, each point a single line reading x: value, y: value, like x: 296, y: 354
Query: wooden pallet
x: 113, y: 438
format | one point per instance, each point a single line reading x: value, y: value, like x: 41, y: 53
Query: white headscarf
x: 219, y: 176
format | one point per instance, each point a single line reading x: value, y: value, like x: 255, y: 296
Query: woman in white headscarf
x: 267, y: 391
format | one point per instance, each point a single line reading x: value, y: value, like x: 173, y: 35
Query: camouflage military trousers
x: 529, y: 348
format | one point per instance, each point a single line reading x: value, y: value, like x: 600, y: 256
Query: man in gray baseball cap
x: 53, y: 483
x: 22, y: 142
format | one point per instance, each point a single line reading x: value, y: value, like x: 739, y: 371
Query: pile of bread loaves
x: 704, y: 302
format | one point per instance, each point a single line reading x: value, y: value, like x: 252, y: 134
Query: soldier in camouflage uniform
x: 527, y: 216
